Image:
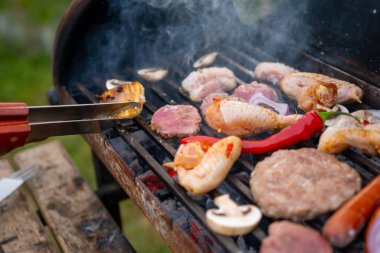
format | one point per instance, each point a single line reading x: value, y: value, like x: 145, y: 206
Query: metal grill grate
x: 241, y: 61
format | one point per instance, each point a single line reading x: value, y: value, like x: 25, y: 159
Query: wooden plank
x: 76, y: 216
x: 21, y: 229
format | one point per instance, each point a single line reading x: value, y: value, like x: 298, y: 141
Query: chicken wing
x: 294, y: 84
x: 200, y: 172
x: 241, y: 119
x: 347, y: 132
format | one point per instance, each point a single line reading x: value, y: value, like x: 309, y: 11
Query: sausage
x: 343, y: 226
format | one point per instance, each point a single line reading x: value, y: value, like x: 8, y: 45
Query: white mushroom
x: 231, y: 219
x: 112, y: 83
x: 153, y: 74
x: 205, y: 60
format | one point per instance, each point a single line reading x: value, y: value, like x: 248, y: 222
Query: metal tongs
x: 21, y: 124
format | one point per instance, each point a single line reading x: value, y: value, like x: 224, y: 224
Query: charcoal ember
x: 200, y: 235
x: 178, y: 213
x: 155, y: 184
x: 243, y: 245
x: 199, y: 199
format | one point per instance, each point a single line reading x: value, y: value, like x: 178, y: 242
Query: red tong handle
x: 14, y: 127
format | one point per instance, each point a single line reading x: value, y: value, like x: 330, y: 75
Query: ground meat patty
x: 302, y: 184
x: 288, y: 237
x: 176, y: 121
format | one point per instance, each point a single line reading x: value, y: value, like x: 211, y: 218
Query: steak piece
x: 246, y: 91
x: 288, y: 237
x: 176, y: 121
x: 302, y: 184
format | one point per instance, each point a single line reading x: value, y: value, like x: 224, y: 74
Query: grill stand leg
x: 109, y: 190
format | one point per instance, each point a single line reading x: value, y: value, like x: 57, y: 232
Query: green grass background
x: 27, y: 30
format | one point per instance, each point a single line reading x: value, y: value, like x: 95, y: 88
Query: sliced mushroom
x: 112, y: 83
x: 153, y: 74
x: 205, y: 60
x: 231, y: 219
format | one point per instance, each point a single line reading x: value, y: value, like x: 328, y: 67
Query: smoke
x: 154, y: 33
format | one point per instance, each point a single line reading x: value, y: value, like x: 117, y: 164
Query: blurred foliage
x: 251, y: 10
x: 27, y: 29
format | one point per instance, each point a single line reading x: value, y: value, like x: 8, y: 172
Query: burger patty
x: 302, y: 184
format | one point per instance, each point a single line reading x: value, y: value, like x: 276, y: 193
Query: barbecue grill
x: 103, y: 39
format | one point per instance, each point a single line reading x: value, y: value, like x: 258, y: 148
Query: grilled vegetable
x: 344, y: 225
x: 260, y: 99
x: 153, y: 74
x: 372, y: 236
x: 304, y: 129
x: 231, y: 219
x: 205, y: 60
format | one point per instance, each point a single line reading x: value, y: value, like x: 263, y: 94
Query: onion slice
x: 373, y: 242
x: 259, y: 98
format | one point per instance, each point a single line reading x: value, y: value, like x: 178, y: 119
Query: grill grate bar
x: 370, y: 167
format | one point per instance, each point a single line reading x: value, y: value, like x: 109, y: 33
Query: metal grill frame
x: 174, y: 236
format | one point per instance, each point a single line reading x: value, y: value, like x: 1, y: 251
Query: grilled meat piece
x: 295, y: 83
x: 208, y: 100
x: 272, y: 71
x: 288, y: 237
x: 246, y: 91
x: 176, y: 121
x: 302, y: 184
x: 318, y: 93
x: 125, y: 91
x: 212, y: 169
x: 205, y: 81
x: 239, y: 118
x: 347, y: 132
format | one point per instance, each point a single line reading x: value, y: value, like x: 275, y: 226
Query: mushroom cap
x: 205, y: 60
x: 234, y: 225
x: 152, y: 74
x: 112, y: 83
